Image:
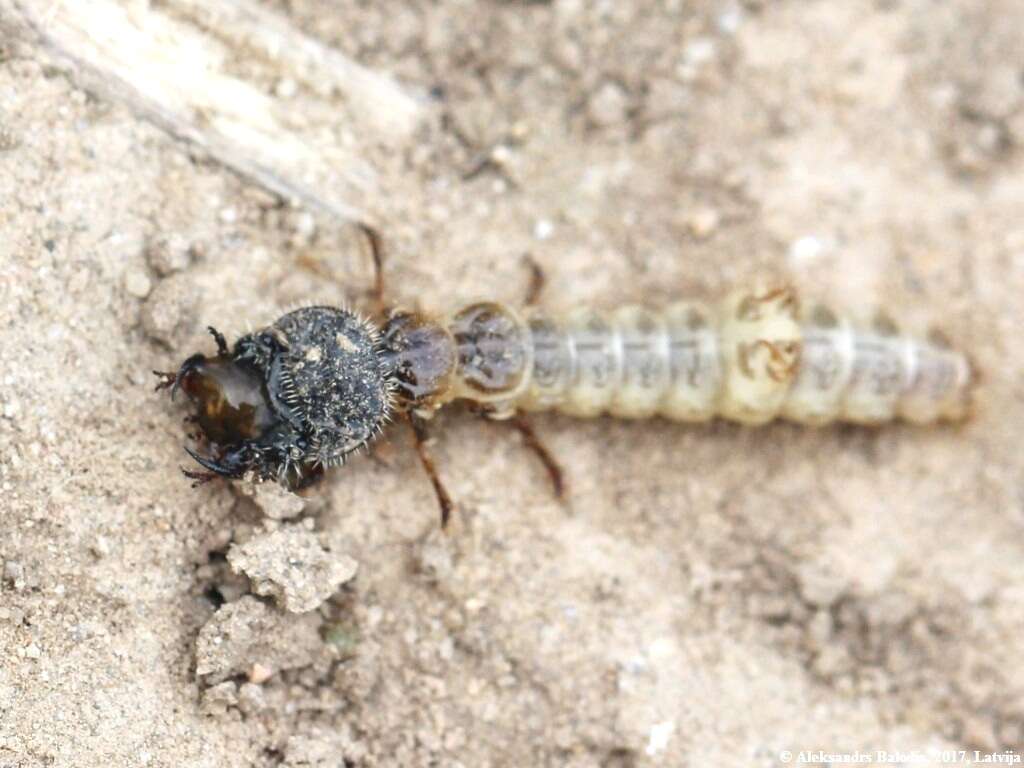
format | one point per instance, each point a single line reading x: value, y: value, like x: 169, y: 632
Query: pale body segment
x: 756, y: 356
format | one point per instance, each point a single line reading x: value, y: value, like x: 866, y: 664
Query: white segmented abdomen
x: 759, y: 337
x: 826, y: 365
x: 756, y: 357
x: 694, y: 363
x: 939, y: 381
x: 595, y: 372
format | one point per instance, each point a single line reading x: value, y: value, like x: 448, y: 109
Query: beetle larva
x: 301, y: 394
x: 754, y: 358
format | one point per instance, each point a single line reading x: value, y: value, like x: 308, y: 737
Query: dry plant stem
x: 379, y: 103
x: 181, y: 73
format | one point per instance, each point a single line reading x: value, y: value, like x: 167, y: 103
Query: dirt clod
x: 170, y: 312
x: 290, y: 565
x: 248, y: 632
x: 168, y: 253
x: 272, y: 500
x: 218, y: 698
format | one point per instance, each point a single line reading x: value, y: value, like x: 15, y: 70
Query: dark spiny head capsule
x: 289, y: 400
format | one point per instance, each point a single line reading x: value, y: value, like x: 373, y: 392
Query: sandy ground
x: 709, y: 595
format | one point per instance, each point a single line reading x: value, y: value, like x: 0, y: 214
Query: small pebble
x: 137, y: 283
x: 8, y: 140
x: 250, y: 699
x: 501, y: 155
x: 251, y: 638
x: 343, y: 637
x: 700, y: 51
x: 609, y: 105
x: 820, y: 587
x: 100, y: 547
x: 729, y: 20
x: 286, y: 88
x: 259, y: 674
x: 274, y: 501
x: 14, y: 572
x: 819, y: 629
x: 805, y: 250
x: 303, y: 227
x: 169, y: 253
x: 217, y: 699
x: 659, y: 738
x: 832, y: 660
x: 990, y: 138
x: 703, y: 222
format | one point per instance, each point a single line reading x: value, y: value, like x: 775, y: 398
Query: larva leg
x: 521, y: 423
x: 420, y: 436
x: 376, y: 244
x: 534, y: 443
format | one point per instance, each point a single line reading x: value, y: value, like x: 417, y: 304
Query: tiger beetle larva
x: 298, y: 396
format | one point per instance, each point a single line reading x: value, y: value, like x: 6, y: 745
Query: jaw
x: 228, y: 470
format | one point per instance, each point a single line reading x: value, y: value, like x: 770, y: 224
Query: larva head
x: 291, y: 399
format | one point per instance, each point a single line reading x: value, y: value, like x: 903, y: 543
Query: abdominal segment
x: 756, y: 356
